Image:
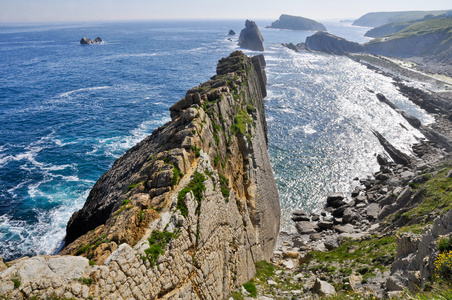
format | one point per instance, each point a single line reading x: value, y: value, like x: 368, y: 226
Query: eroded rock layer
x: 184, y: 214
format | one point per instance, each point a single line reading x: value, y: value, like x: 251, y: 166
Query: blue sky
x: 88, y: 10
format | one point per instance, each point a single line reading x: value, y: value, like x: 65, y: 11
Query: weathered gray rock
x: 250, y: 37
x: 331, y: 242
x: 323, y: 288
x: 372, y: 211
x: 350, y: 215
x: 231, y: 32
x: 335, y: 200
x: 324, y: 225
x: 305, y: 227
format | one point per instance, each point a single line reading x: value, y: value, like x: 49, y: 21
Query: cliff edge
x: 184, y: 214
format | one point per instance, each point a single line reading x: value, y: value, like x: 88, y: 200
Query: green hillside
x: 424, y: 28
x: 375, y: 19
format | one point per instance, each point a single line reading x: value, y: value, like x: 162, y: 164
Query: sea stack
x: 297, y: 23
x: 250, y: 37
x: 231, y: 32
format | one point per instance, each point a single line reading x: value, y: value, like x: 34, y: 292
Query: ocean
x: 67, y: 111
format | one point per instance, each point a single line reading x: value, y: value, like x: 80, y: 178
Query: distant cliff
x: 430, y: 39
x: 297, y: 23
x: 185, y: 214
x: 325, y: 42
x: 375, y: 19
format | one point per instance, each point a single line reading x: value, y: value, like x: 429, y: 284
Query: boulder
x: 324, y: 225
x: 85, y: 41
x: 323, y: 288
x: 335, y: 200
x: 98, y: 40
x: 250, y: 37
x: 305, y: 227
x: 300, y: 215
x: 231, y: 32
x: 350, y: 215
x: 331, y: 242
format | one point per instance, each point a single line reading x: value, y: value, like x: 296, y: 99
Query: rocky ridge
x: 185, y: 214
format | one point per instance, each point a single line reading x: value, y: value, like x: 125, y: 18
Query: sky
x: 103, y: 10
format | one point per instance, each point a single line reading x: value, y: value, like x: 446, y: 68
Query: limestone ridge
x: 250, y: 37
x: 196, y: 200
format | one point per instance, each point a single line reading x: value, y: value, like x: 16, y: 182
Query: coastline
x: 363, y: 219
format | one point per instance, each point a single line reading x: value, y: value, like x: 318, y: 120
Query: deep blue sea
x: 67, y: 111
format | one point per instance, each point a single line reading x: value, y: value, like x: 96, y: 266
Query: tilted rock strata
x: 250, y: 37
x: 200, y: 188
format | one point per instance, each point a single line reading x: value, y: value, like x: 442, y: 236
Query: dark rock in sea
x: 291, y: 47
x: 85, y: 41
x: 231, y: 32
x: 335, y: 200
x: 297, y: 23
x: 250, y: 37
x: 322, y: 41
x: 396, y: 155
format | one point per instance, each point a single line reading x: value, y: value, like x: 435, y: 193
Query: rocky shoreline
x: 319, y: 258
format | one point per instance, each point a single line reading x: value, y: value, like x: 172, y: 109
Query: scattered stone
x: 347, y: 228
x: 372, y: 211
x: 323, y: 288
x: 288, y: 264
x: 305, y: 227
x: 324, y: 225
x: 331, y: 242
x: 335, y: 200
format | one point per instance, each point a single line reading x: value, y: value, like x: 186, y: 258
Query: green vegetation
x: 216, y: 160
x: 237, y: 296
x: 250, y: 287
x: 374, y: 251
x: 425, y: 27
x: 224, y: 186
x: 83, y: 249
x: 177, y: 175
x: 130, y: 187
x: 87, y: 281
x: 197, y: 150
x: 92, y: 262
x: 241, y: 120
x: 196, y: 186
x: 264, y: 269
x: 157, y: 243
x: 445, y: 244
x: 16, y: 280
x: 443, y: 266
x: 437, y: 194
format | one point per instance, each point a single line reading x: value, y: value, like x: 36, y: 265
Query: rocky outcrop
x: 250, y: 37
x: 297, y: 23
x: 325, y: 42
x: 185, y: 214
x: 85, y: 41
x: 416, y: 255
x: 231, y: 32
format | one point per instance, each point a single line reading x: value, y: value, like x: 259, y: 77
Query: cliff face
x: 325, y: 42
x: 196, y: 200
x: 297, y: 23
